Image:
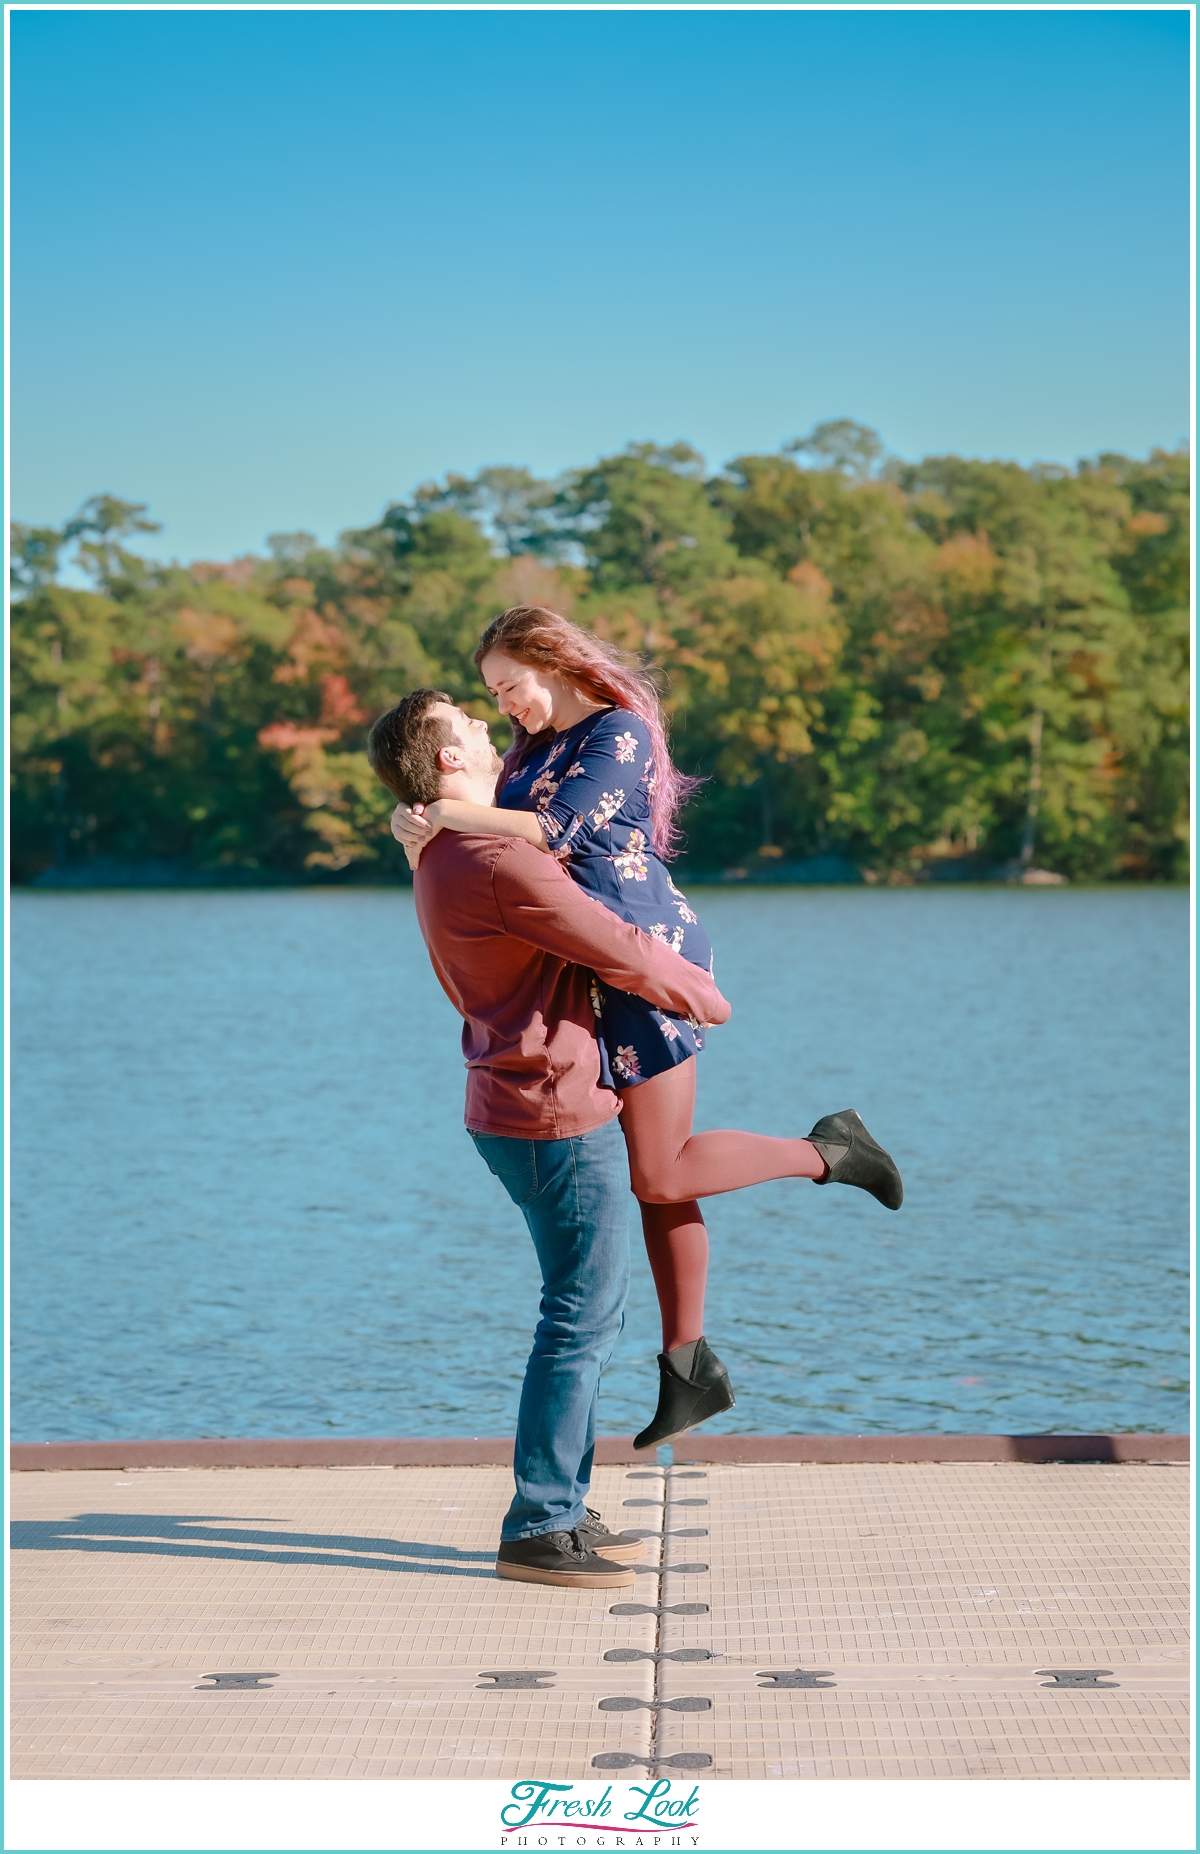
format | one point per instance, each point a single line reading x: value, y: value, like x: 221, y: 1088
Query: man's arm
x: 540, y: 904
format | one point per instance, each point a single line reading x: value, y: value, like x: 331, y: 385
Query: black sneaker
x: 623, y: 1546
x: 854, y: 1158
x: 684, y: 1402
x: 563, y: 1558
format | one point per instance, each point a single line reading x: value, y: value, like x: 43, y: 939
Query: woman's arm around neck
x: 486, y: 820
x: 416, y: 829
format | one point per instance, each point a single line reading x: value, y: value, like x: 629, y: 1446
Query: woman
x: 589, y: 780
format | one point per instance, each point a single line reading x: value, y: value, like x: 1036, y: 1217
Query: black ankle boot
x: 854, y: 1158
x: 687, y: 1398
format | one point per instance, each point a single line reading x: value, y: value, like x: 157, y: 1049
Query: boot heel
x: 685, y: 1402
x: 855, y: 1158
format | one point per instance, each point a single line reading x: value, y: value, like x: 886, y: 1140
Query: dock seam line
x: 658, y: 1624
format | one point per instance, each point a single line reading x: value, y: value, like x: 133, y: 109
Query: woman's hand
x: 414, y: 827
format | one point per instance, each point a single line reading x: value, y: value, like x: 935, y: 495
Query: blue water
x: 243, y: 1202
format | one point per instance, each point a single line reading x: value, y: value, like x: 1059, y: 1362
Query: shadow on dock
x: 179, y: 1535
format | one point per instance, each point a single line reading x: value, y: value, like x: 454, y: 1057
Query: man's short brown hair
x: 403, y: 746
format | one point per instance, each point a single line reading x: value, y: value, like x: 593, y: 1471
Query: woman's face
x: 534, y: 698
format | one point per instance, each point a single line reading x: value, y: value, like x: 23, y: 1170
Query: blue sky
x: 273, y: 269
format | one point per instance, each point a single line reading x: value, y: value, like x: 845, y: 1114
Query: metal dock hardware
x: 688, y: 1702
x: 682, y: 1760
x: 649, y: 1654
x: 508, y: 1680
x: 795, y: 1677
x: 680, y: 1532
x: 1076, y: 1676
x: 650, y: 1609
x: 224, y: 1681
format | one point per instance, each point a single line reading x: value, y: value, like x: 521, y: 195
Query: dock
x: 792, y: 1618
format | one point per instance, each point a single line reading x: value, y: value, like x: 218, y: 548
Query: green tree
x: 644, y: 518
x: 902, y: 662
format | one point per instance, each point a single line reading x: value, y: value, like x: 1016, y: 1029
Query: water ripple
x: 243, y: 1202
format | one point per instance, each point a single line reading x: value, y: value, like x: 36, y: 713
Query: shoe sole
x: 566, y: 1580
x: 705, y: 1417
x: 675, y: 1435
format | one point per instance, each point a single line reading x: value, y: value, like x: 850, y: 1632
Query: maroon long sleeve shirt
x: 512, y: 940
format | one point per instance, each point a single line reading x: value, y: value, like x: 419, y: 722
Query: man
x: 514, y: 942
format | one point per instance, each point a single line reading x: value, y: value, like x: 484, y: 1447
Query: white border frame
x: 464, y: 1815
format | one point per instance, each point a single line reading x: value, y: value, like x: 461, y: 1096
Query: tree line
x: 915, y: 666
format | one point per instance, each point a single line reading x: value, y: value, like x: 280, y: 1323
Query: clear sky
x: 273, y: 269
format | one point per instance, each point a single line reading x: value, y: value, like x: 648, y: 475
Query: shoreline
x: 146, y: 882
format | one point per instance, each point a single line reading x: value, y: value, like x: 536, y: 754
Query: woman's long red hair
x: 535, y: 635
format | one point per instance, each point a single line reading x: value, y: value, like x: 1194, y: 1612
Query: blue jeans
x: 574, y: 1195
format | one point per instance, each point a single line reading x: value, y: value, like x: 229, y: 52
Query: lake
x: 244, y: 1203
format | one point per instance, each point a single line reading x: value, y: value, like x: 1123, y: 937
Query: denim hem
x: 549, y: 1525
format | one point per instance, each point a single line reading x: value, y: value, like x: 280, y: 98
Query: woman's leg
x: 669, y: 1164
x: 657, y: 1120
x: 677, y: 1245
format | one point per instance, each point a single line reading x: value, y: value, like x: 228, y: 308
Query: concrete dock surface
x: 792, y: 1621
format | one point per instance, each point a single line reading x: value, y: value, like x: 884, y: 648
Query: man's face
x: 472, y: 740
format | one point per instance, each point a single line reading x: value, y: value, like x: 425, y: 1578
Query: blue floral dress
x: 590, y: 787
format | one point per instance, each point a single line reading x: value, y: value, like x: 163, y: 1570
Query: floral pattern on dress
x: 543, y: 789
x: 674, y: 939
x: 631, y: 864
x: 610, y: 854
x: 608, y: 807
x: 681, y: 907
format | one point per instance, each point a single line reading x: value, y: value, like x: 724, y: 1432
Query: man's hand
x: 414, y: 828
x: 723, y: 1014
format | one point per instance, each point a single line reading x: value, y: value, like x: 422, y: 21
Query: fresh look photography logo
x: 654, y: 1814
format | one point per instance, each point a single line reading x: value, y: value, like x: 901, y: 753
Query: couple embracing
x: 584, y: 979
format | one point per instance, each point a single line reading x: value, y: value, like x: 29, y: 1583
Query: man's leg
x: 574, y: 1196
